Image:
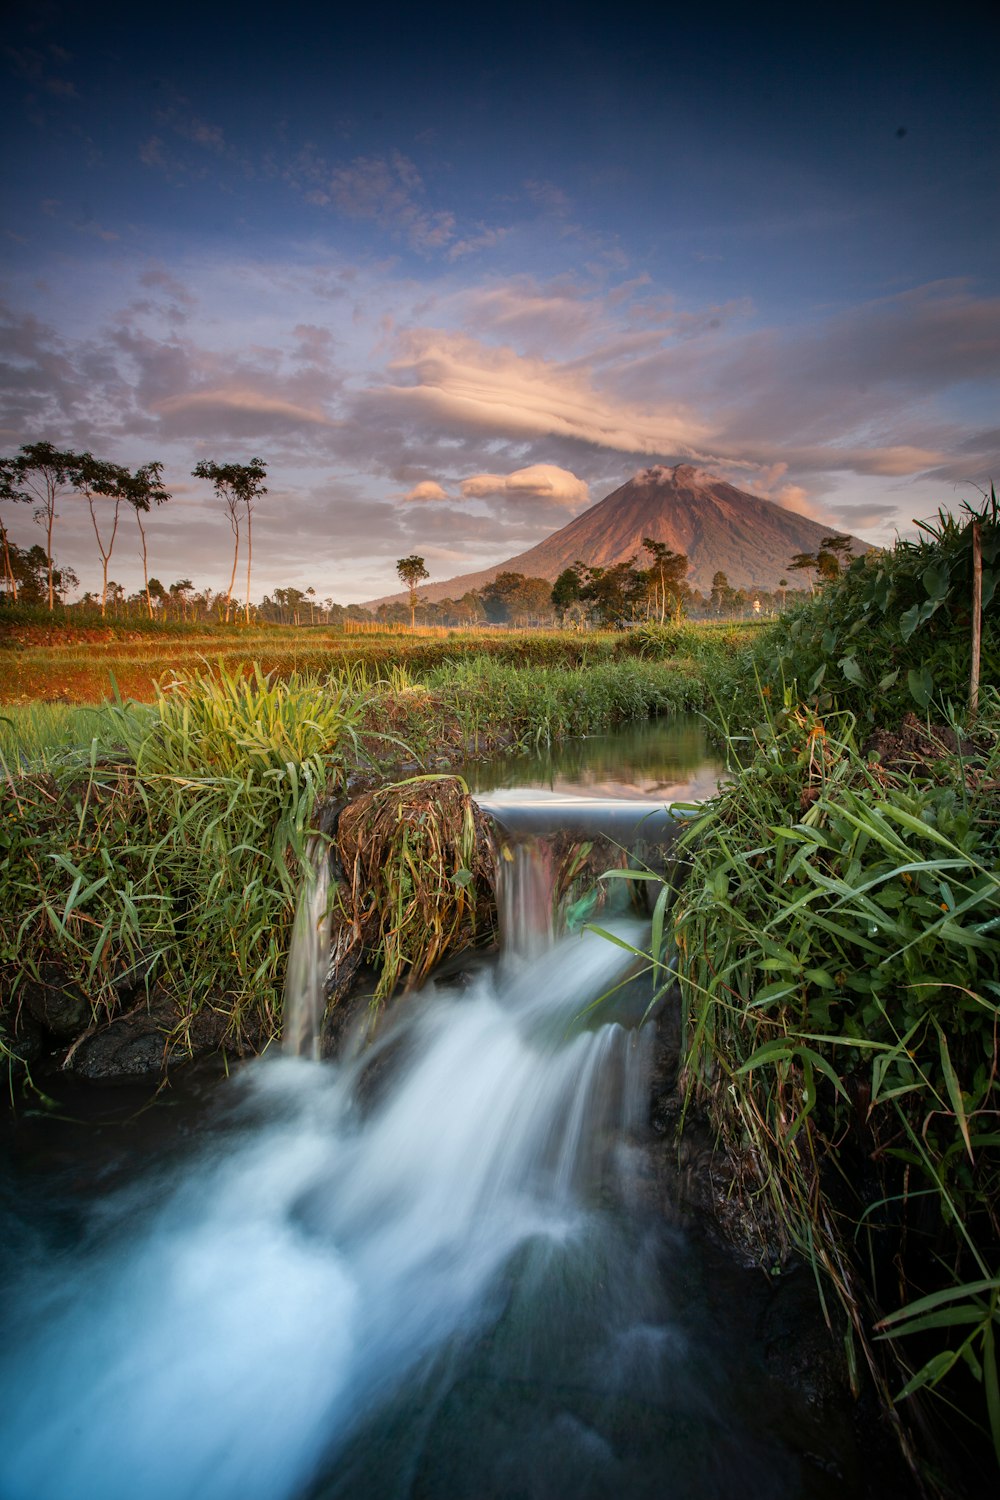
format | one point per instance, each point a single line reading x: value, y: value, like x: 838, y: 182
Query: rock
x: 56, y: 1004
x: 145, y: 1041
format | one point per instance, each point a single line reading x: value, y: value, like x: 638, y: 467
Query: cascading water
x: 422, y: 1271
x: 308, y: 956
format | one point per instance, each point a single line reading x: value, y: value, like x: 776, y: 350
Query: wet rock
x: 56, y: 1004
x: 28, y: 1042
x: 145, y: 1042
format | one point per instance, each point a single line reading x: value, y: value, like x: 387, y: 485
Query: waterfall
x: 422, y: 1270
x: 524, y: 890
x: 308, y: 956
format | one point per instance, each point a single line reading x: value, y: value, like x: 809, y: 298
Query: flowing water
x: 437, y: 1268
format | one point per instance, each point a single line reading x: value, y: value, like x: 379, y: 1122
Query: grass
x: 169, y: 851
x: 85, y: 672
x: 159, y: 846
x: 837, y: 944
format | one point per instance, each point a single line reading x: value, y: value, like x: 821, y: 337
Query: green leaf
x: 911, y: 619
x: 921, y: 685
x: 934, y: 1370
x: 936, y: 580
x: 992, y: 1386
x: 954, y: 1090
x: 851, y: 670
x: 938, y: 1299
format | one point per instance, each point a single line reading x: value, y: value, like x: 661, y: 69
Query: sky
x: 456, y: 274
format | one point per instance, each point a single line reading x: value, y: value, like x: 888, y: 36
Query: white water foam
x: 219, y: 1335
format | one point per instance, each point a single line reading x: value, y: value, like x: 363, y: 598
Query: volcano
x: 717, y: 526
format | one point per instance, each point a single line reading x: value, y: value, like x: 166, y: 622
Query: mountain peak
x: 718, y: 527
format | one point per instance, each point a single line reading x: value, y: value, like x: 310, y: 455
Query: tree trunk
x: 8, y: 566
x: 249, y: 556
x: 232, y: 578
x: 51, y: 515
x: 145, y: 564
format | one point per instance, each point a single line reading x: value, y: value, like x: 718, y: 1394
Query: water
x: 655, y: 760
x: 436, y: 1269
x: 335, y: 1252
x: 308, y: 957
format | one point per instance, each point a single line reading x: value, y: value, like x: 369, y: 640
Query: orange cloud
x: 241, y: 401
x: 455, y: 378
x: 538, y: 482
x: 427, y: 489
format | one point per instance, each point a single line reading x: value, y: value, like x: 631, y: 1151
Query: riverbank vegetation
x: 154, y: 850
x: 837, y: 942
x: 836, y: 938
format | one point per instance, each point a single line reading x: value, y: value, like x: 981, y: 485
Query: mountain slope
x: 717, y: 526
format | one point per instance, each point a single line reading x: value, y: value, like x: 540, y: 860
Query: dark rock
x: 146, y: 1041
x: 28, y: 1042
x: 57, y: 1004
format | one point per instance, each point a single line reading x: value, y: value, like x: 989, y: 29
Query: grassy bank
x: 86, y: 671
x: 159, y: 847
x: 837, y: 943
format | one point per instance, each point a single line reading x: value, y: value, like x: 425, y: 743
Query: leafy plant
x: 894, y: 632
x: 838, y: 956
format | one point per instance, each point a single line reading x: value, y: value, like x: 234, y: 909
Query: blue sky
x: 456, y: 276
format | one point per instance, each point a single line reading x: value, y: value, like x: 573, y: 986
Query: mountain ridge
x: 718, y: 527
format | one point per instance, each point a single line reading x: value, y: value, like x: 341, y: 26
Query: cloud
x: 457, y: 381
x: 798, y: 500
x: 386, y: 190
x: 548, y: 197
x: 245, y: 402
x: 538, y: 482
x: 158, y: 277
x: 558, y: 315
x: 863, y: 516
x: 427, y: 489
x: 482, y: 239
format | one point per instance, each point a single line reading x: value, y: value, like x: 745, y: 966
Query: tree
x: 839, y: 546
x: 156, y: 591
x: 181, y: 592
x: 44, y: 472
x: 613, y: 593
x: 95, y: 479
x: 667, y: 577
x: 238, y: 486
x: 498, y: 596
x: 412, y: 572
x: 531, y: 602
x: 143, y: 489
x: 720, y: 591
x: 10, y: 494
x: 32, y: 576
x: 805, y: 562
x: 566, y: 589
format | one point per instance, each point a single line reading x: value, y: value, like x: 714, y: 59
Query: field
x: 836, y: 937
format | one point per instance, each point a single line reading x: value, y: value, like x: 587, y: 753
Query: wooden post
x: 977, y: 618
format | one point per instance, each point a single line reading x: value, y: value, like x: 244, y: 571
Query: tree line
x: 41, y: 475
x: 619, y: 594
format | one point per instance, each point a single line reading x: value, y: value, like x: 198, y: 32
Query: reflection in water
x: 666, y: 760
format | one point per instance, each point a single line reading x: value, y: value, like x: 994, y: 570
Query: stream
x: 439, y: 1267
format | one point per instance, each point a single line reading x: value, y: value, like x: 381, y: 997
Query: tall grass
x: 837, y: 943
x: 893, y: 635
x: 170, y: 851
x: 161, y: 844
